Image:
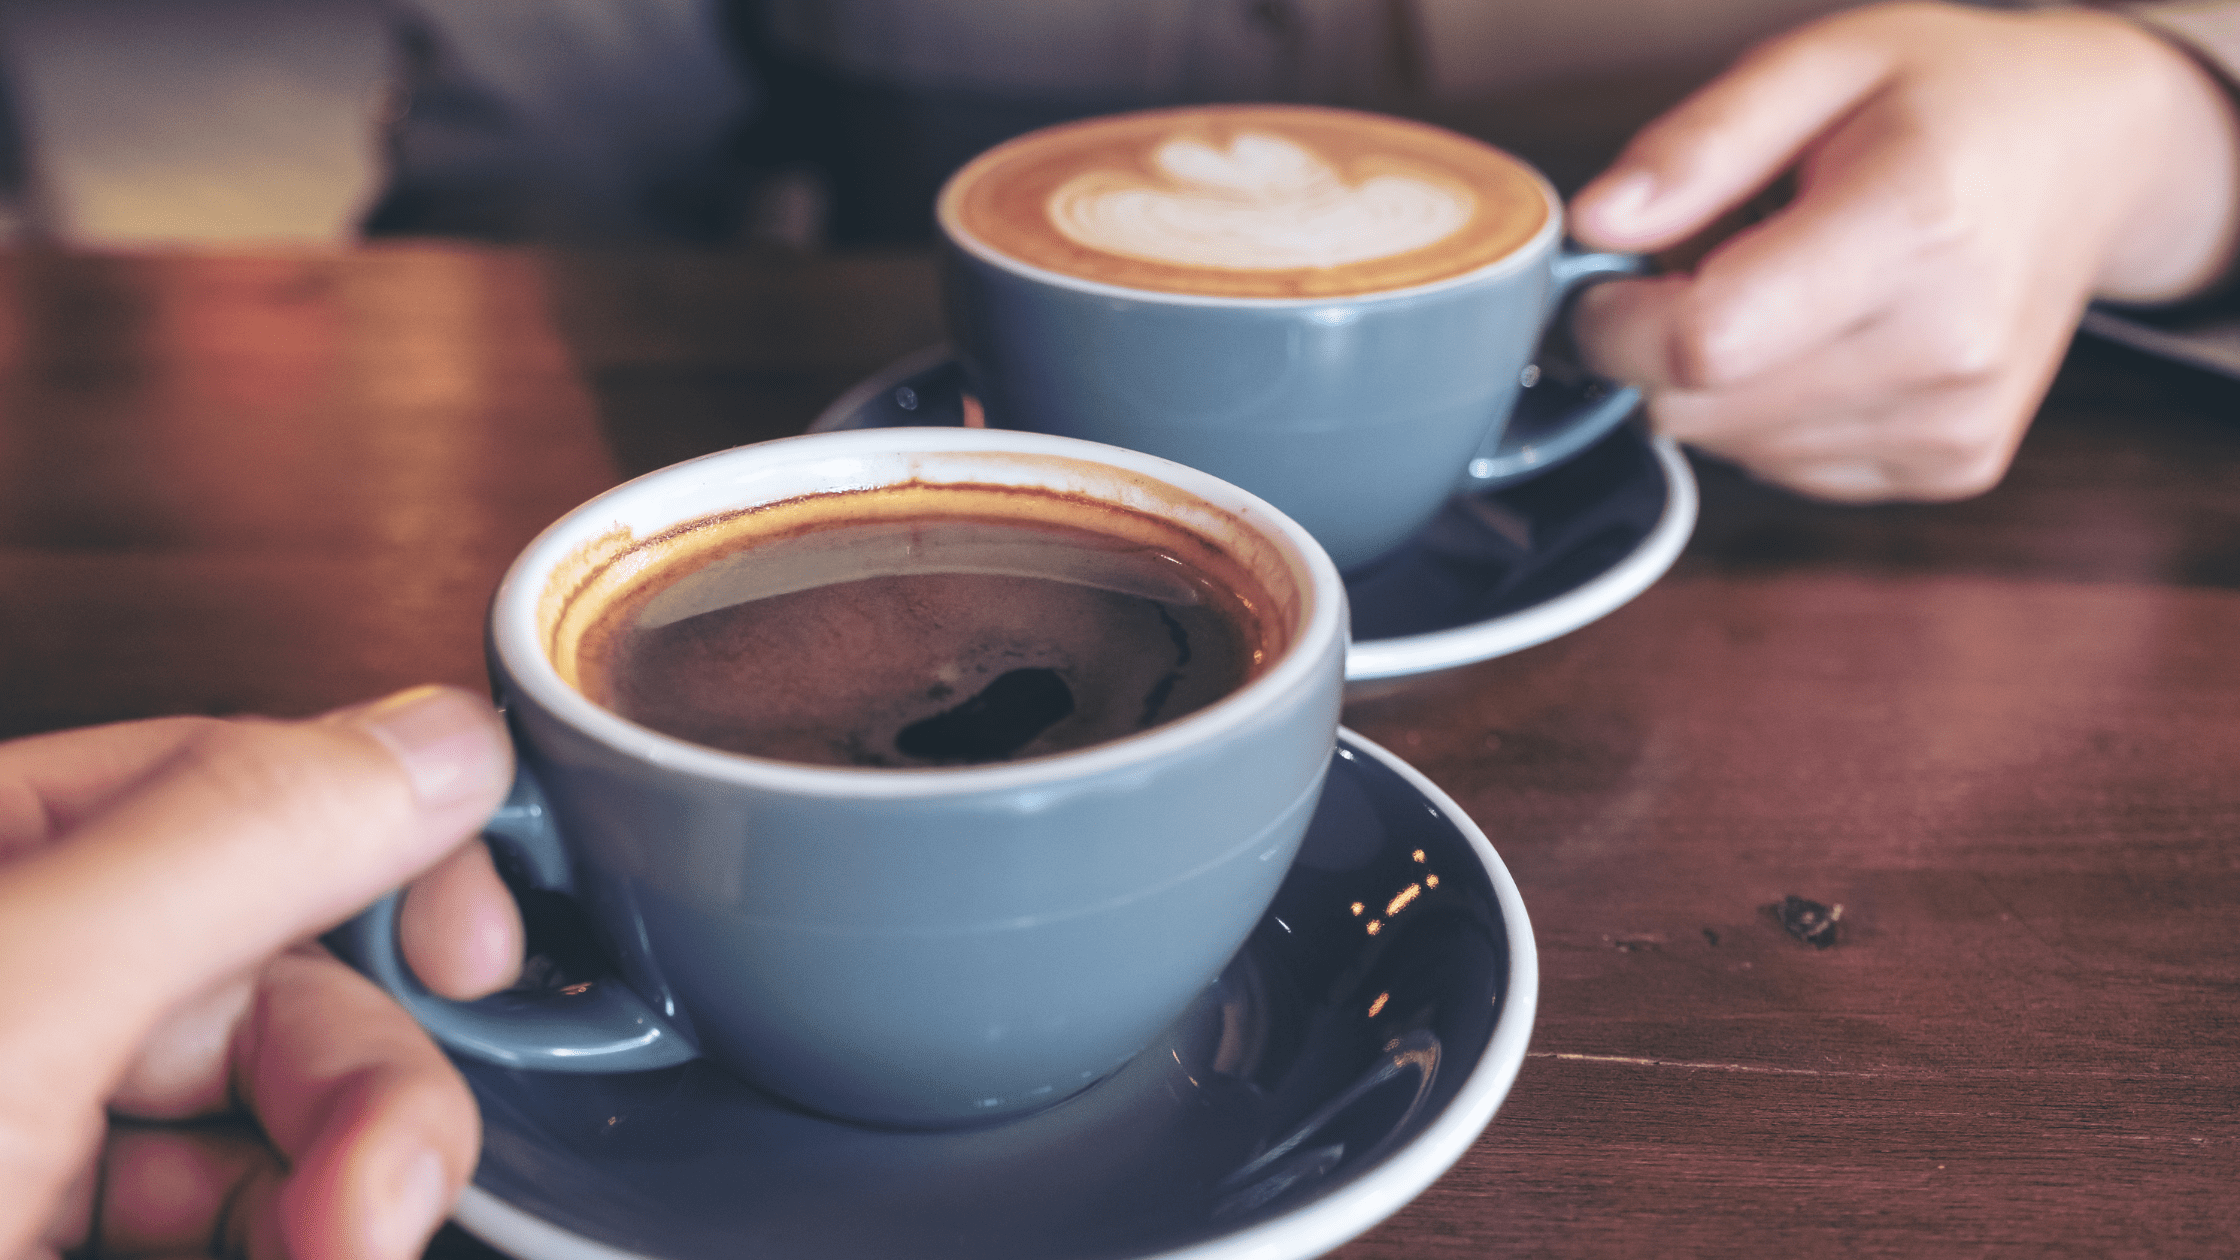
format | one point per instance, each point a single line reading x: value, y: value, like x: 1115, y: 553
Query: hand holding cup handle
x: 1544, y: 432
x: 1335, y: 310
x: 599, y: 1025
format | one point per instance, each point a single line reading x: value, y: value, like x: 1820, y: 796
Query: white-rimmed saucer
x: 1354, y: 1050
x: 1497, y: 572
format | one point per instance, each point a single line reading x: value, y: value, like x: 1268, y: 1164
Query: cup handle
x: 598, y: 1026
x: 1550, y: 424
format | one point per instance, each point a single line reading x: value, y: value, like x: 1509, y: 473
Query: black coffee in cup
x: 920, y: 626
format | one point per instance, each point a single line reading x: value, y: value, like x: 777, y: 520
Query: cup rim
x: 1524, y: 255
x: 1320, y: 632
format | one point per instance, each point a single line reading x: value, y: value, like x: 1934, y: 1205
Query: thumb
x: 248, y: 836
x: 1716, y: 149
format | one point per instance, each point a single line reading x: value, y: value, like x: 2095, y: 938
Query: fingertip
x: 1655, y: 198
x: 1595, y: 327
x: 451, y: 745
x: 409, y: 1205
x: 459, y: 927
x: 367, y: 1204
x: 378, y: 1129
x: 1729, y: 138
x: 1616, y: 210
x: 1624, y: 329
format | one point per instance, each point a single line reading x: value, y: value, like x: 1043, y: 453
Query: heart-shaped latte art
x: 1266, y: 203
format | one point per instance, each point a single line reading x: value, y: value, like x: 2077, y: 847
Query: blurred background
x: 130, y: 124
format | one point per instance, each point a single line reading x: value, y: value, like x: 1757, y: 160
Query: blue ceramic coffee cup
x: 1357, y: 413
x: 909, y: 947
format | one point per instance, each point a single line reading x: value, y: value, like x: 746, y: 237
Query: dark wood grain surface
x: 2003, y: 735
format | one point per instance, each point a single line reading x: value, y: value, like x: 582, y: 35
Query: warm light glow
x: 1357, y: 909
x: 1418, y: 855
x: 1430, y: 881
x: 1378, y: 1005
x: 1399, y: 903
x: 1376, y: 926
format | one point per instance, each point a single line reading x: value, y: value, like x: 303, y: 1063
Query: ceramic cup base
x: 1329, y: 1077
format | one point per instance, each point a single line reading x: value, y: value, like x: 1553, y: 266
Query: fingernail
x: 442, y: 738
x: 1622, y: 203
x: 413, y: 1208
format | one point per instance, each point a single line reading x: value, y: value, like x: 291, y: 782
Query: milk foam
x: 1265, y: 204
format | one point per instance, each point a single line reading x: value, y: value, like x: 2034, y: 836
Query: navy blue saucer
x: 1495, y: 572
x: 1352, y: 1052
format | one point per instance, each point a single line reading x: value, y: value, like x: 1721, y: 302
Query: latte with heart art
x: 1248, y: 201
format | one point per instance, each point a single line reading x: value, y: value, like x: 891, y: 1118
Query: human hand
x: 1965, y: 182
x: 187, y: 1071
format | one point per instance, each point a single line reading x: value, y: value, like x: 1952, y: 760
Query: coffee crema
x: 1248, y: 201
x: 916, y: 626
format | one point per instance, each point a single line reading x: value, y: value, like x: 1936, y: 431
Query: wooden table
x: 2004, y: 736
